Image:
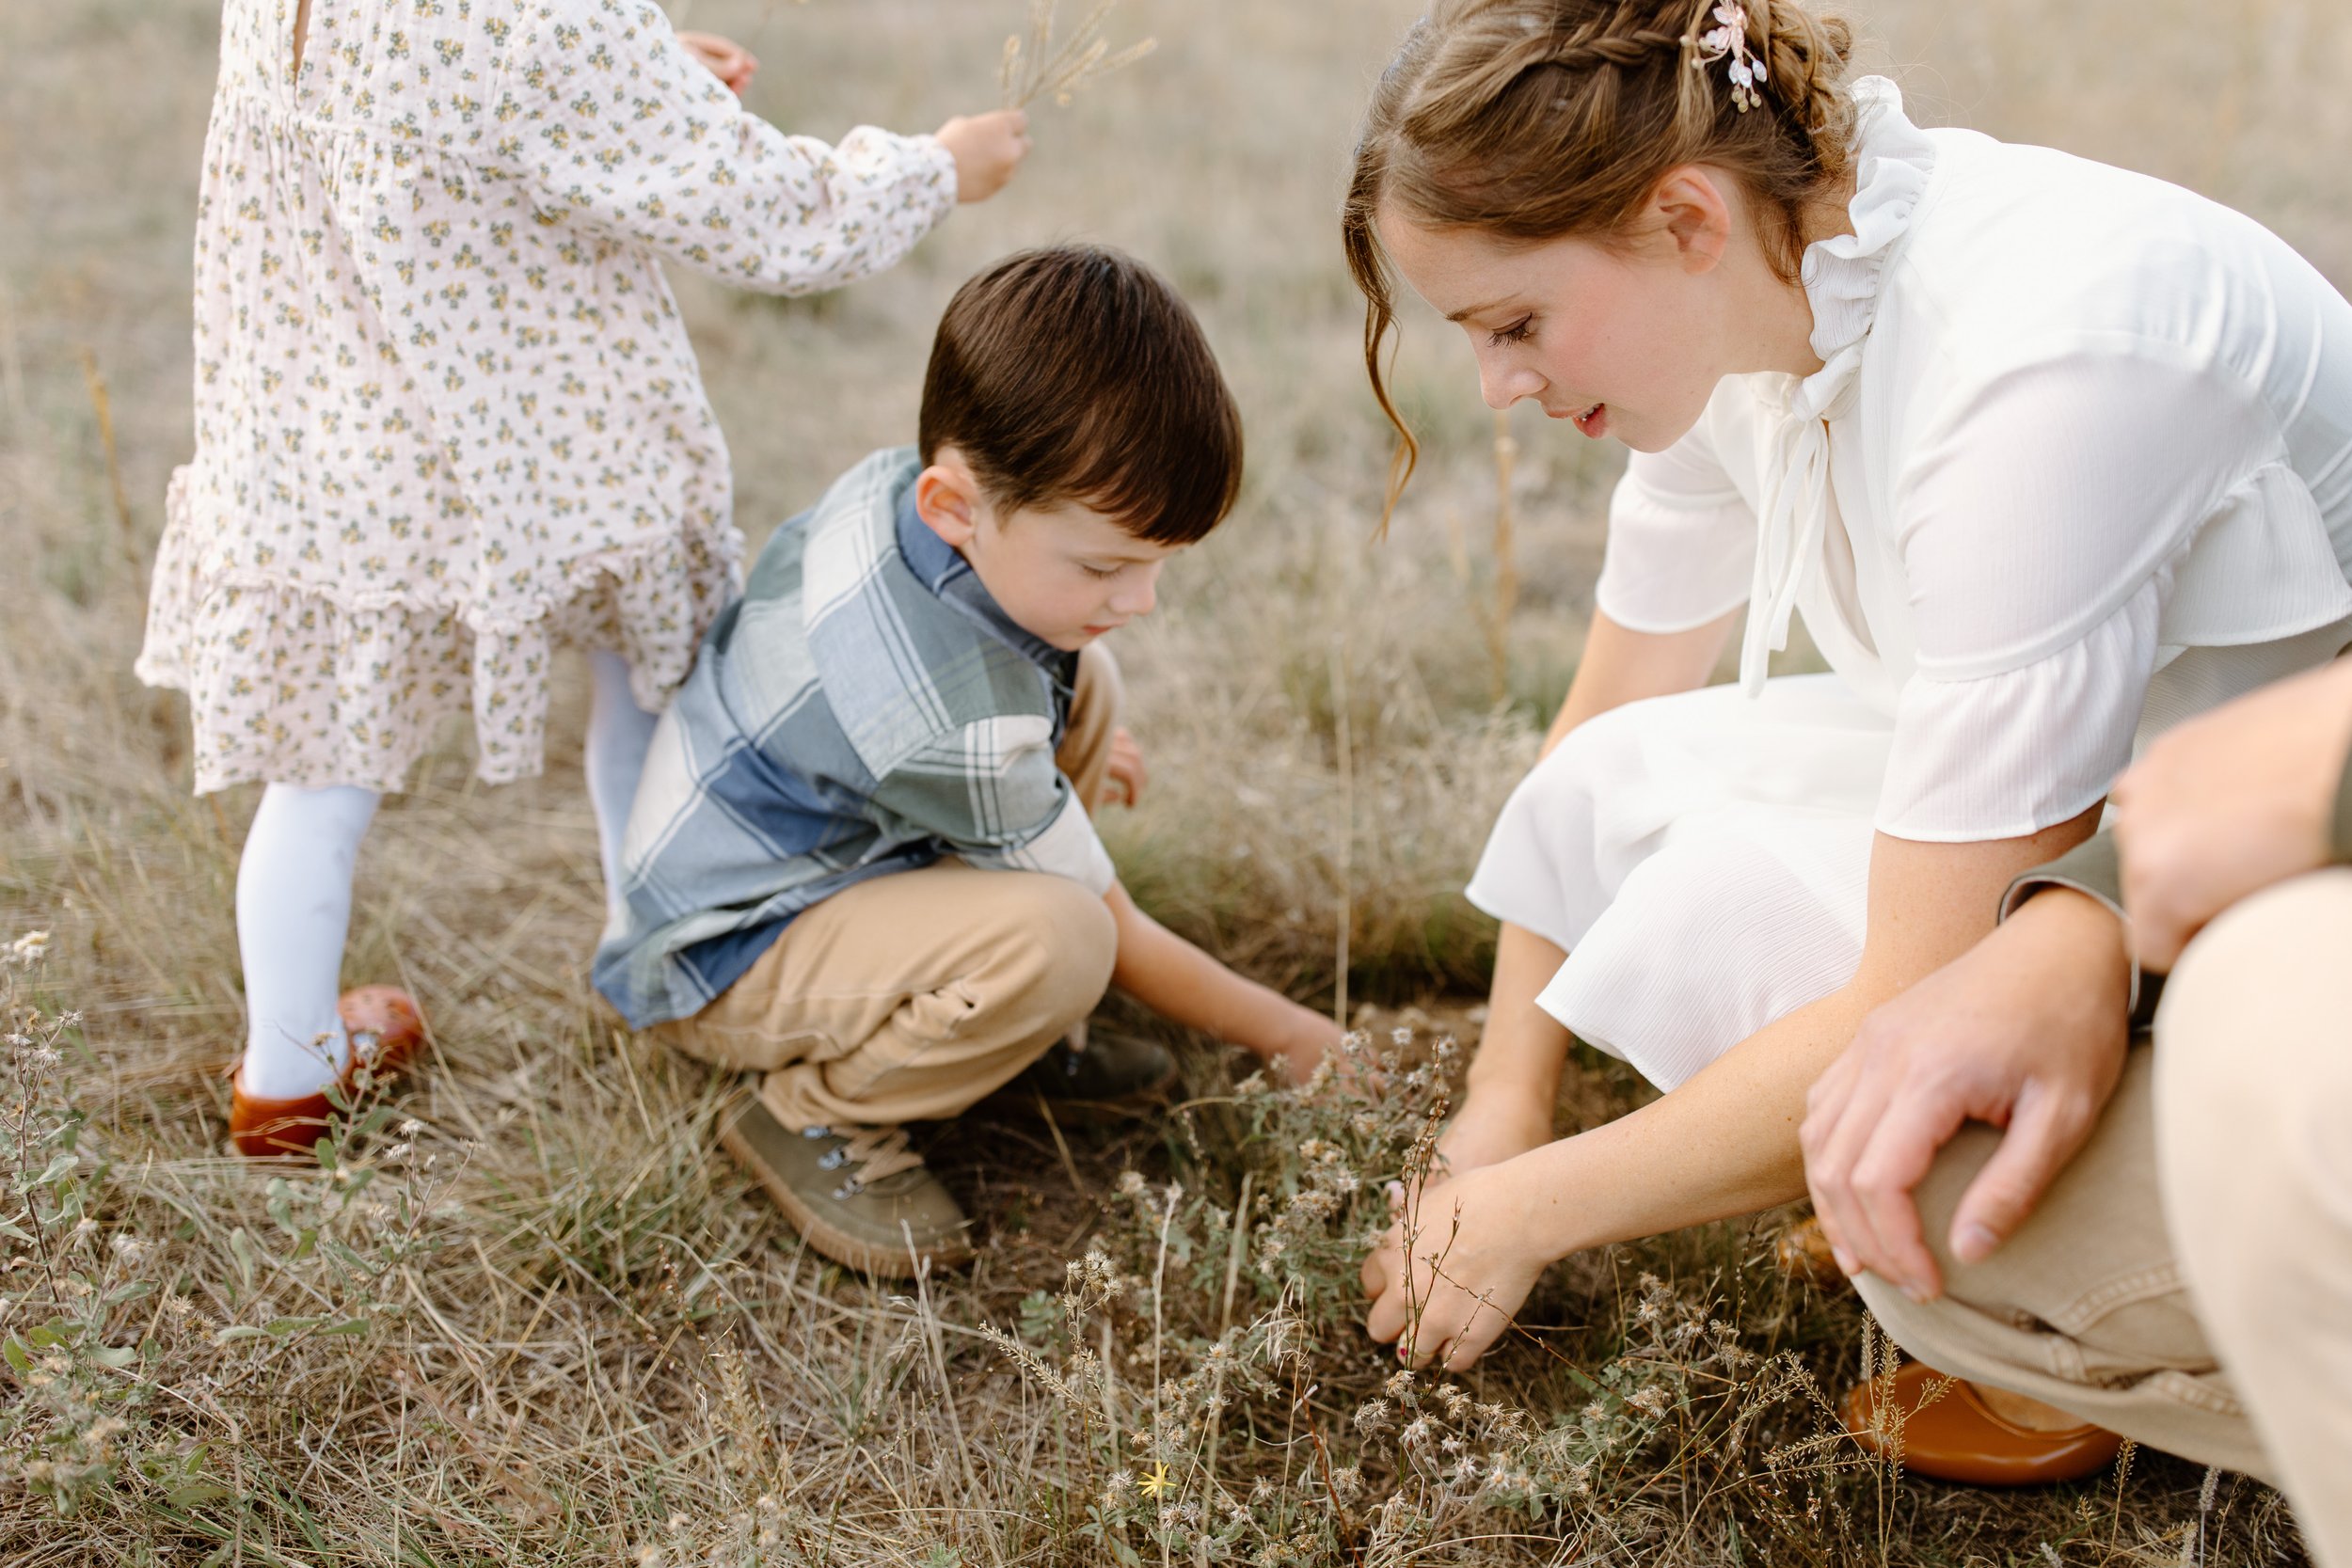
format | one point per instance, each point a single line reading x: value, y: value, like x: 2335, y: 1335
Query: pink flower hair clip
x: 1730, y: 37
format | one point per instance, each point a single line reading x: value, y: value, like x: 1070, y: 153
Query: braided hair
x: 1536, y: 119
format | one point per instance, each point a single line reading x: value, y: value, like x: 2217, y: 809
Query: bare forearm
x: 1515, y: 1074
x: 1727, y: 1142
x: 1183, y: 984
x: 1620, y: 665
x: 1722, y: 1144
x: 1522, y: 1049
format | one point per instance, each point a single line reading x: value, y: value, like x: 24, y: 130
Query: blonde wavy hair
x: 1537, y: 119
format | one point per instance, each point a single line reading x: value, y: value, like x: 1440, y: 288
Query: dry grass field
x: 529, y: 1315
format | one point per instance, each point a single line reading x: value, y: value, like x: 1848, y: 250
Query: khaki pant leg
x: 2085, y: 1307
x: 910, y: 997
x: 2253, y: 1110
x: 1096, y: 708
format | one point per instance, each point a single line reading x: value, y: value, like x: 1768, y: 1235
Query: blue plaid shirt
x: 865, y: 708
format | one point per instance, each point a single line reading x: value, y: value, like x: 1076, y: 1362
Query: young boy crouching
x: 861, y: 861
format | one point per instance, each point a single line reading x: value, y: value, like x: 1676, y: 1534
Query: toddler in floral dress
x: 448, y: 420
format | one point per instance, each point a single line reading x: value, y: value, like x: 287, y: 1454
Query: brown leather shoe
x: 1954, y: 1435
x: 385, y: 1029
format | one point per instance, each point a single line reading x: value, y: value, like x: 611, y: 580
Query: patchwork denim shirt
x: 866, y: 708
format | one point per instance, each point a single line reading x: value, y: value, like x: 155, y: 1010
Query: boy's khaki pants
x: 2188, y: 1280
x: 910, y: 997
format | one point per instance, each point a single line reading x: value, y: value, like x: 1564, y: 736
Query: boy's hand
x: 726, y: 59
x: 1123, y: 784
x: 986, y: 148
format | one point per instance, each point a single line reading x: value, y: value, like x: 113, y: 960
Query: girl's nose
x: 1503, y: 382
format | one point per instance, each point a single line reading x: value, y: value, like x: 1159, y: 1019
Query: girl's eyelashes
x: 1517, y: 332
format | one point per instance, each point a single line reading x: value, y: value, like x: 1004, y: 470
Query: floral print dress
x: 447, y: 415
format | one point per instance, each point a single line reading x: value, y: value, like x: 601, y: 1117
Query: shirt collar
x: 942, y: 569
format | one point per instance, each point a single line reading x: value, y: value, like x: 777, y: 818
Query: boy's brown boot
x: 859, y: 1193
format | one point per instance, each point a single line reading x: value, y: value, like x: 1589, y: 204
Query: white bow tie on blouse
x: 1794, y: 519
x: 1841, y: 274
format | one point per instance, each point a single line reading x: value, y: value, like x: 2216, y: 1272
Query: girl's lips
x: 1594, y: 421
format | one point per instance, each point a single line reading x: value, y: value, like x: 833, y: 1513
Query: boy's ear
x: 947, y: 498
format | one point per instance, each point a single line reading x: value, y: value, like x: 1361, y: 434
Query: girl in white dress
x: 448, y: 420
x: 2047, y: 454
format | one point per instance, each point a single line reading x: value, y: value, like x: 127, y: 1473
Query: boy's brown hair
x: 1075, y: 374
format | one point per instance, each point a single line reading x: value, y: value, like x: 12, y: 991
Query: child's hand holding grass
x: 1126, y: 773
x: 986, y: 148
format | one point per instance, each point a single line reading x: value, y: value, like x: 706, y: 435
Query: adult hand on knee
x: 1470, y: 1270
x: 2229, y: 802
x: 2027, y: 1031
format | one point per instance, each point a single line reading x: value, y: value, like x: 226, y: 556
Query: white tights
x: 293, y: 894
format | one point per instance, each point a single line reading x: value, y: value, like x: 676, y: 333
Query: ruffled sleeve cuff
x: 2009, y: 754
x: 1675, y: 561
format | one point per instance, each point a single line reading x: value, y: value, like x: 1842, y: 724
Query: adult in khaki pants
x: 2158, y: 1237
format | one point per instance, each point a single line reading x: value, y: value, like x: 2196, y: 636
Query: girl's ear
x: 1689, y: 207
x: 947, y: 498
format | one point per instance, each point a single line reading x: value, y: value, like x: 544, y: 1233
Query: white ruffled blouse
x: 2079, y: 455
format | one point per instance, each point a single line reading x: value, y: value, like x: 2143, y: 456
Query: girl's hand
x: 986, y: 148
x: 726, y: 59
x: 1470, y: 1267
x: 1126, y: 777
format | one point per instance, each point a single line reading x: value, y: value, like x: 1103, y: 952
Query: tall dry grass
x: 549, y: 1323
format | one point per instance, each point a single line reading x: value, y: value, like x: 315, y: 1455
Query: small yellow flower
x: 1157, y: 1481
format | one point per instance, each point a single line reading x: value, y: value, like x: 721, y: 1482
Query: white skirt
x: 1703, y: 859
